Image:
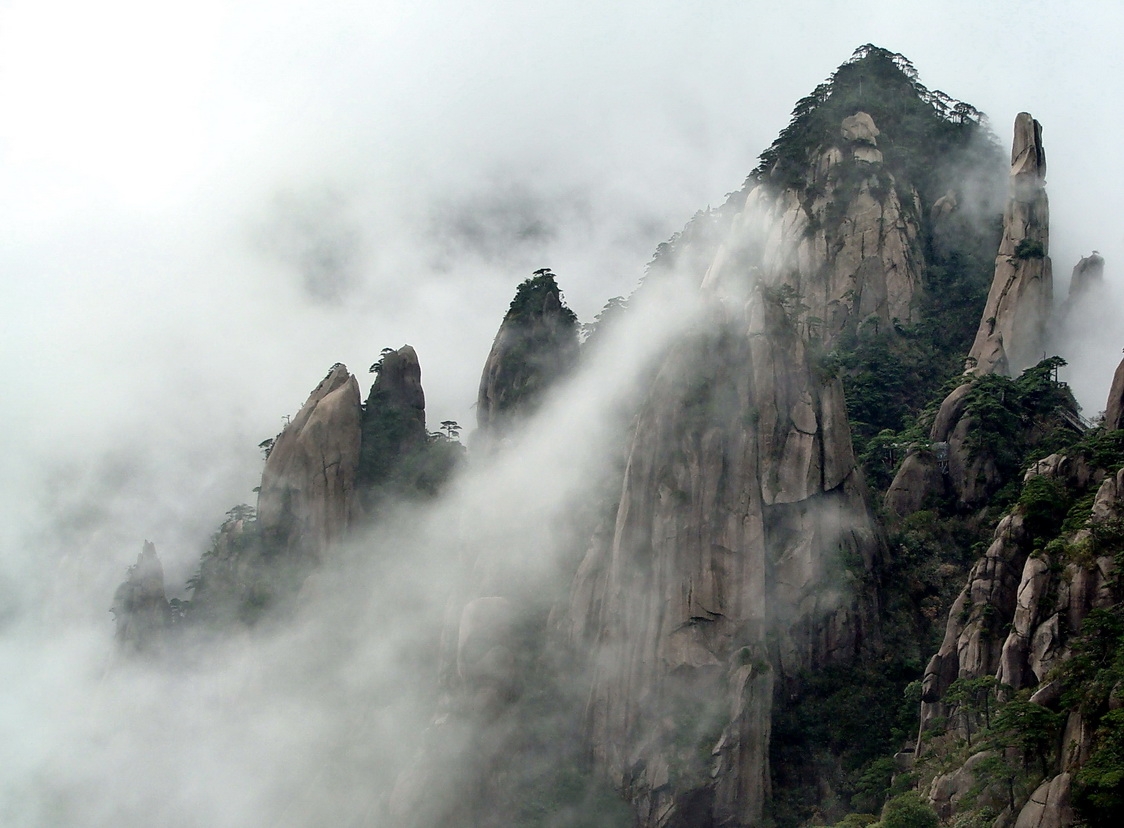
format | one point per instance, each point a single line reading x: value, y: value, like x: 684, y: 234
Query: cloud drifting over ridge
x: 202, y: 206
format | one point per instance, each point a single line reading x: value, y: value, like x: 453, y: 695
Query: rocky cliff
x: 845, y: 239
x: 741, y: 542
x: 735, y: 642
x: 393, y: 421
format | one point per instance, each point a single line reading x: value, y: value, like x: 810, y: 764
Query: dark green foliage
x: 535, y: 294
x: 1044, y: 504
x: 908, y: 810
x: 398, y: 458
x: 917, y: 124
x: 1099, y: 792
x: 1102, y: 449
x: 1029, y: 249
x: 1030, y: 727
x: 390, y: 433
x: 1096, y: 662
x: 859, y: 715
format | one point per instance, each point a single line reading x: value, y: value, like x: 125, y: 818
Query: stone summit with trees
x: 854, y: 559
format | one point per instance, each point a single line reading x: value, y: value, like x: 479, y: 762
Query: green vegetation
x: 1030, y: 249
x: 907, y: 810
x: 920, y: 124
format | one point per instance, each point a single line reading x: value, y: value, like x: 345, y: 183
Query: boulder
x: 1049, y: 805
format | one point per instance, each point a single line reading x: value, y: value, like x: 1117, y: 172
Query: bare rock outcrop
x: 308, y: 495
x: 728, y: 569
x: 140, y: 606
x: 972, y: 642
x: 1049, y: 805
x: 536, y: 345
x: 1012, y: 331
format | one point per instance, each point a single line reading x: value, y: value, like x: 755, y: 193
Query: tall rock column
x: 1012, y: 331
x: 307, y: 499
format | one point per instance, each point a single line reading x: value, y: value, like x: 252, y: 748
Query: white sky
x: 168, y: 169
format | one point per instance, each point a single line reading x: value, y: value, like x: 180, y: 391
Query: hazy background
x: 205, y: 205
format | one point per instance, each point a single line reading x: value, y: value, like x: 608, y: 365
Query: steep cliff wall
x: 740, y: 543
x: 393, y: 422
x: 845, y: 239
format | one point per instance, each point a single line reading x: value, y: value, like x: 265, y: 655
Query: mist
x: 205, y: 205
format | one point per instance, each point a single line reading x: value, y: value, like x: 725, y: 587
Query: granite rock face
x: 727, y: 570
x: 140, y: 606
x: 1087, y: 279
x: 308, y: 490
x: 1013, y: 328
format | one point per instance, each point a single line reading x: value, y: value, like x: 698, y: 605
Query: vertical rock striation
x: 740, y: 539
x: 844, y: 240
x: 393, y: 422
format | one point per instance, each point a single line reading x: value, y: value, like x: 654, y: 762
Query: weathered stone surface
x: 860, y: 128
x: 919, y: 479
x: 723, y: 574
x: 852, y: 254
x: 972, y: 645
x: 1012, y: 330
x: 140, y: 607
x: 307, y: 499
x: 949, y: 789
x: 1114, y: 411
x: 1049, y: 805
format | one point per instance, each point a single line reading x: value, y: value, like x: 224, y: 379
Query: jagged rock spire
x: 1012, y: 331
